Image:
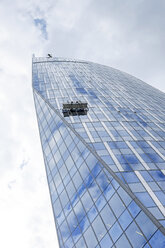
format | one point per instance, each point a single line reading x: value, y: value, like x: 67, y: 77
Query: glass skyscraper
x: 103, y: 138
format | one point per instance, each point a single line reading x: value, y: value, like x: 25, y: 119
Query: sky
x: 127, y: 35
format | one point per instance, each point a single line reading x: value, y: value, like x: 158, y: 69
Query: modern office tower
x: 103, y: 138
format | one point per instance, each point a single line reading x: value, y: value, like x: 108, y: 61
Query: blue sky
x: 128, y: 35
x: 41, y: 24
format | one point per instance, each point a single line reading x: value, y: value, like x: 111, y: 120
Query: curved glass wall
x: 105, y: 169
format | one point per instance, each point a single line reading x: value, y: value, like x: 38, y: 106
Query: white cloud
x: 26, y: 214
x: 127, y: 36
x: 41, y: 23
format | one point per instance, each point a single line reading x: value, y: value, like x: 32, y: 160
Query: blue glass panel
x: 88, y: 180
x: 108, y: 216
x: 99, y: 228
x: 64, y: 198
x: 145, y: 158
x: 161, y: 196
x: 112, y: 145
x: 107, y: 159
x: 155, y: 157
x: 162, y: 222
x: 143, y: 144
x: 102, y: 181
x: 157, y: 240
x: 117, y: 205
x: 156, y: 212
x: 131, y: 159
x: 69, y: 242
x: 57, y: 205
x: 92, y: 213
x: 130, y: 177
x: 79, y: 211
x: 123, y: 242
x: 100, y: 203
x: 84, y: 171
x: 81, y: 243
x: 96, y: 169
x: 134, y: 209
x: 125, y: 219
x: 87, y: 201
x: 115, y: 232
x: 145, y: 199
x: 76, y: 234
x: 109, y: 192
x: 70, y: 189
x: 84, y: 224
x: 135, y: 236
x: 146, y: 225
x: 90, y: 238
x: 124, y: 196
x: 72, y: 221
x: 158, y: 175
x: 94, y: 191
x: 64, y: 230
x: 99, y: 146
x: 106, y: 241
x: 146, y: 176
x: 77, y: 179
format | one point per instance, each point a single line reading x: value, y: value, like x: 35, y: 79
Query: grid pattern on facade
x: 126, y: 130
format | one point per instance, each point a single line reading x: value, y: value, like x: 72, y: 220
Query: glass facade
x: 105, y: 169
